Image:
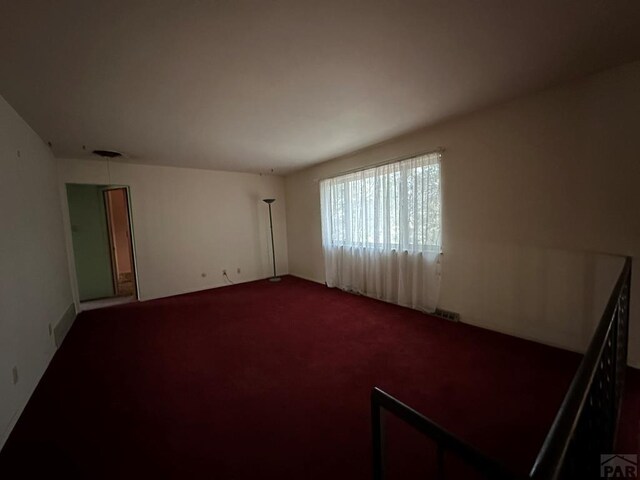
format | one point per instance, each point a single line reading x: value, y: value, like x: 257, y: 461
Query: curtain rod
x: 380, y: 164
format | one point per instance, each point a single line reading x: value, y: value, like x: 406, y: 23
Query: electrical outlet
x: 15, y: 375
x: 238, y: 271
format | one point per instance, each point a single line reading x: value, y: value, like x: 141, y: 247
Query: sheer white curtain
x: 381, y: 231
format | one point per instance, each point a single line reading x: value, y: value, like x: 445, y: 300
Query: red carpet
x: 264, y: 380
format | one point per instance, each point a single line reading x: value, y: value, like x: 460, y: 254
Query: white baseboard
x: 64, y: 324
x: 206, y: 287
x: 304, y: 277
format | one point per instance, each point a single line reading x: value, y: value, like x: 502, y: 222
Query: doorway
x: 103, y: 250
x: 117, y: 206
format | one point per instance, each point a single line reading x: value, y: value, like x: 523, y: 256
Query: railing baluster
x: 377, y: 430
x: 614, y: 373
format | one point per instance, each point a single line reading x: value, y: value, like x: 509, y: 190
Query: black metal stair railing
x: 445, y: 441
x: 586, y: 423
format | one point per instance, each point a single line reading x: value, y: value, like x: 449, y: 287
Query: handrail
x: 443, y: 438
x: 551, y: 459
x: 585, y: 425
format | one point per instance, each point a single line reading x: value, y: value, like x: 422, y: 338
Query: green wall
x: 90, y: 241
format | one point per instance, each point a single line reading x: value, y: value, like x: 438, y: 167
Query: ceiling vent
x: 107, y: 153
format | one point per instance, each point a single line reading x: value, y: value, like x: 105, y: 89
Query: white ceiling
x: 268, y: 84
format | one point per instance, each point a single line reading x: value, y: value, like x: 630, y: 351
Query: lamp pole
x: 275, y: 278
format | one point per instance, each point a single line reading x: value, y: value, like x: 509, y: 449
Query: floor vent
x: 447, y: 315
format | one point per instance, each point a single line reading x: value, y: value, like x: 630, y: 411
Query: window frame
x: 372, y: 172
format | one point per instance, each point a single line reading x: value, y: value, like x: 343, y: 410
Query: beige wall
x: 527, y: 186
x: 188, y: 222
x: 34, y: 282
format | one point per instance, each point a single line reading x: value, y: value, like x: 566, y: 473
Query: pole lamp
x: 275, y: 278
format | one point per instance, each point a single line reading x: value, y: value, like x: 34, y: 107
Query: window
x: 381, y: 231
x: 396, y: 206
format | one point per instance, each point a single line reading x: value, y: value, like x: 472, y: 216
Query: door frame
x: 75, y: 293
x: 112, y: 248
x: 110, y: 234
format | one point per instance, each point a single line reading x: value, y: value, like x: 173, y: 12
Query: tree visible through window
x: 396, y: 206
